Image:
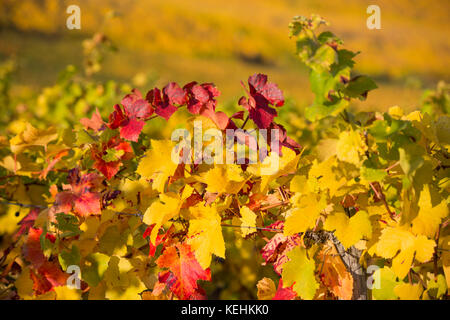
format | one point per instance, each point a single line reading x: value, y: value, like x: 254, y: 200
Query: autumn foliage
x: 371, y: 190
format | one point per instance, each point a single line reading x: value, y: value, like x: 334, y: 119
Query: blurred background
x: 225, y: 41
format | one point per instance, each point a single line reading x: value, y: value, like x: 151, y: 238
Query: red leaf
x: 116, y: 118
x: 270, y: 91
x: 165, y: 110
x: 130, y: 122
x: 80, y: 195
x: 284, y: 293
x: 275, y: 251
x: 220, y: 118
x: 165, y: 105
x: 32, y: 250
x: 173, y: 94
x: 27, y: 222
x: 262, y: 94
x: 131, y: 129
x: 53, y: 273
x: 53, y: 162
x: 201, y: 97
x: 109, y: 169
x: 64, y: 201
x: 135, y: 106
x: 238, y: 115
x: 257, y: 82
x: 88, y: 203
x: 95, y: 123
x: 184, y: 269
x: 160, y: 239
x: 284, y: 140
x: 48, y: 276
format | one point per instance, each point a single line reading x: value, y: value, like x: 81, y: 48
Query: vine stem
x: 380, y: 195
x: 282, y: 203
x: 392, y: 166
x: 9, y: 176
x: 435, y: 254
x: 245, y: 122
x: 249, y: 227
x: 350, y: 258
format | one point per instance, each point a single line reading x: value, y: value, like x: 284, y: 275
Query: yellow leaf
x: 393, y: 240
x: 24, y: 284
x: 248, y: 221
x: 326, y: 148
x: 445, y: 245
x: 32, y: 137
x: 133, y: 191
x: 443, y: 130
x: 66, y: 293
x: 406, y: 291
x: 275, y: 166
x: 299, y: 184
x: 161, y: 211
x: 396, y: 112
x: 305, y: 213
x: 349, y: 230
x: 350, y: 146
x: 98, y: 292
x: 428, y: 219
x: 321, y: 176
x: 89, y: 228
x: 158, y: 165
x: 50, y: 295
x: 224, y: 179
x: 384, y: 282
x: 130, y: 292
x: 266, y: 289
x: 205, y: 234
x: 114, y: 275
x: 299, y: 271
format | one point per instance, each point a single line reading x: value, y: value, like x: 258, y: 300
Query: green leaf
x: 370, y: 172
x: 68, y: 258
x: 299, y: 271
x: 319, y: 111
x: 68, y: 224
x: 345, y: 58
x: 113, y: 155
x: 107, y: 134
x: 46, y: 244
x: 95, y: 269
x: 359, y: 86
x: 323, y: 58
x: 437, y: 287
x: 83, y: 137
x: 384, y: 290
x: 382, y: 129
x: 328, y: 37
x: 411, y: 158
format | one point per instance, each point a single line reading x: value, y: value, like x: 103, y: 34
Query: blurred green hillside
x: 225, y: 41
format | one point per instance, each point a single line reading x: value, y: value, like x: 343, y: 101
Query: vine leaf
x: 299, y: 272
x: 184, y: 271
